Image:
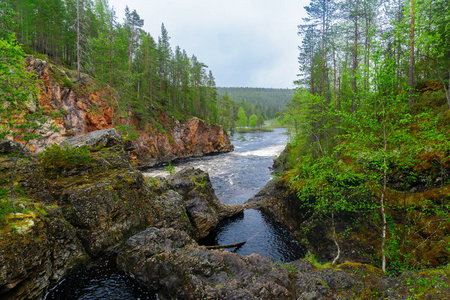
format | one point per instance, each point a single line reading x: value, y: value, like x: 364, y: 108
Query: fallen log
x: 235, y: 245
x: 226, y: 246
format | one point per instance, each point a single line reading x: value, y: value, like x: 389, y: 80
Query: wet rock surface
x: 99, y: 204
x: 202, y: 205
x: 36, y: 251
x: 170, y: 261
x: 95, y: 140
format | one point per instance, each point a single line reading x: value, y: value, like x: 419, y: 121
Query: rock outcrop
x: 422, y: 236
x: 171, y: 262
x: 91, y: 207
x: 36, y: 250
x: 86, y: 108
x: 201, y: 203
x: 193, y: 138
x: 278, y: 201
x: 95, y: 140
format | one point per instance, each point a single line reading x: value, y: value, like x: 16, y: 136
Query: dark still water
x: 101, y: 280
x: 264, y: 236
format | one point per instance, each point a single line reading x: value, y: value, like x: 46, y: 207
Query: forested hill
x: 267, y: 101
x: 146, y: 73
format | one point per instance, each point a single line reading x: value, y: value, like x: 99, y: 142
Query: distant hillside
x: 267, y: 101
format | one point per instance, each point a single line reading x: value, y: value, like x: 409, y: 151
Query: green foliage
x: 57, y: 159
x: 266, y: 102
x: 5, y: 209
x: 242, y: 118
x: 348, y: 150
x: 200, y: 182
x: 21, y: 117
x: 313, y: 259
x: 226, y: 118
x: 170, y: 168
x: 139, y: 73
x: 254, y: 129
x: 253, y: 121
x: 128, y: 133
x: 427, y: 282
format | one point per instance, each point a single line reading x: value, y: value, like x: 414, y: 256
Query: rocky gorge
x: 73, y: 213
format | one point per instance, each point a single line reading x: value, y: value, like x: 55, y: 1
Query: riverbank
x: 105, y: 204
x: 87, y: 206
x: 253, y: 130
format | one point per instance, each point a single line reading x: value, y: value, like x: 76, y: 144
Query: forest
x: 144, y: 73
x: 371, y: 127
x: 259, y: 101
x: 370, y: 118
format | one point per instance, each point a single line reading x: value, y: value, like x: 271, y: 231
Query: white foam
x: 268, y: 151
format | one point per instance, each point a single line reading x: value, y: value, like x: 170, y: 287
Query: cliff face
x: 193, y: 138
x: 84, y: 108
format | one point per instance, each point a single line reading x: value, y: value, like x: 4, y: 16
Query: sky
x: 245, y: 43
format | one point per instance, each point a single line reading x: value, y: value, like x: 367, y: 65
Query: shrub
x: 128, y: 133
x: 61, y: 158
x: 5, y: 209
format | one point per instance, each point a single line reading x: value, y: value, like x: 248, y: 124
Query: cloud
x: 244, y: 42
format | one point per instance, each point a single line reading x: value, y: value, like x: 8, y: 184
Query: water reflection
x: 101, y: 280
x: 264, y: 236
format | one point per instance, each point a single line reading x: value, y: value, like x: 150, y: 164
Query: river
x: 236, y: 177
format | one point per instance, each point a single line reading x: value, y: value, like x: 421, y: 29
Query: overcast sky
x: 245, y: 43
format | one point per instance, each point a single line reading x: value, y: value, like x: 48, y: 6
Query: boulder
x: 10, y: 147
x: 29, y: 178
x: 107, y: 208
x: 202, y: 205
x: 95, y: 139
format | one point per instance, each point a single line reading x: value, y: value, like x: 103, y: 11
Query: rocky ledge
x: 89, y: 208
x: 171, y: 262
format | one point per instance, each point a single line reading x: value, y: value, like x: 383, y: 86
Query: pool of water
x: 262, y: 234
x: 101, y: 280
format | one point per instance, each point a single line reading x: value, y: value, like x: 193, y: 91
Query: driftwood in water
x: 234, y: 245
x: 226, y: 246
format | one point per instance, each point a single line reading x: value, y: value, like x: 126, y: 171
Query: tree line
x: 145, y: 74
x: 373, y: 96
x: 263, y: 102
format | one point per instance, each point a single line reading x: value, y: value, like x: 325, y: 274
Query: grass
x: 252, y: 130
x: 312, y: 259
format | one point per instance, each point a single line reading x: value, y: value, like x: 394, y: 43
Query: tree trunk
x: 382, y: 200
x: 355, y: 60
x: 78, y: 42
x: 335, y: 260
x: 411, y: 56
